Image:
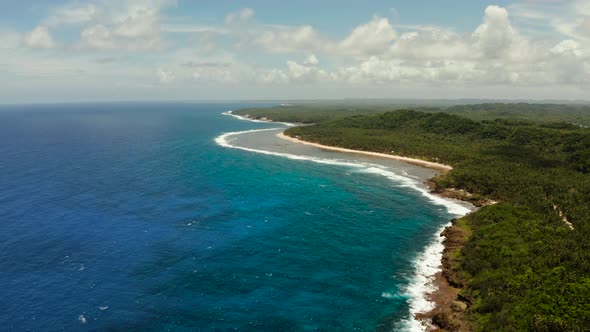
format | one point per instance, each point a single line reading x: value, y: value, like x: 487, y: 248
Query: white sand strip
x: 414, y: 161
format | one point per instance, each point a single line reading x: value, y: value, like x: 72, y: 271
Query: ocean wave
x: 244, y: 118
x: 426, y: 265
x: 226, y: 140
x: 453, y: 207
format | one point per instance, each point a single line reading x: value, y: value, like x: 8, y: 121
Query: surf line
x: 426, y: 264
x: 245, y: 118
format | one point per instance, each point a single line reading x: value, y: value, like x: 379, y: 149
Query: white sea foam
x: 453, y: 207
x: 244, y: 118
x: 226, y: 140
x: 426, y: 264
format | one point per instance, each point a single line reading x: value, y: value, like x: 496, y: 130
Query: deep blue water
x: 129, y: 216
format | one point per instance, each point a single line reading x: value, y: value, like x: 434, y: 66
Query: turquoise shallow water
x: 118, y: 216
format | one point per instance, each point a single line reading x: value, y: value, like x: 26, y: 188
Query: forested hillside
x: 578, y: 114
x: 538, y: 113
x: 523, y: 267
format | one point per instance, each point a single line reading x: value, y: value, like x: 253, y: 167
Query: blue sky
x: 101, y: 50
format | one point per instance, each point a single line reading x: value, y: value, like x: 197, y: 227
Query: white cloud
x: 97, y: 37
x: 306, y: 71
x: 432, y: 43
x: 498, y: 52
x: 303, y: 72
x: 570, y: 47
x: 374, y: 37
x: 495, y: 53
x: 495, y: 35
x: 138, y: 21
x: 133, y: 26
x: 165, y: 76
x: 311, y: 60
x: 40, y: 37
x: 109, y: 24
x: 570, y: 18
x: 291, y: 40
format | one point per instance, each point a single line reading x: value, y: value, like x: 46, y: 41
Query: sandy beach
x: 419, y: 162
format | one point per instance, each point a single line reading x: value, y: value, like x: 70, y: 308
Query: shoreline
x: 448, y: 311
x: 414, y: 161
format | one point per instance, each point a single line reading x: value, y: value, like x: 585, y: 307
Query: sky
x: 118, y: 50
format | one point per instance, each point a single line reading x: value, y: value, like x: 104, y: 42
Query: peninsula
x: 521, y: 264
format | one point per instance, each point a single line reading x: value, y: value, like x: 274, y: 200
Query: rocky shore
x: 451, y: 306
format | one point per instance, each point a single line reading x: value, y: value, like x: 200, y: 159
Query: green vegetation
x: 579, y: 114
x: 313, y: 113
x: 523, y: 267
x: 540, y: 113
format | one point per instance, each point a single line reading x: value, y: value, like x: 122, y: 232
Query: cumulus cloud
x: 495, y: 35
x: 383, y: 71
x: 133, y: 26
x: 374, y: 37
x: 374, y: 53
x: 431, y: 43
x: 306, y: 71
x: 106, y: 25
x: 494, y: 53
x: 40, y: 37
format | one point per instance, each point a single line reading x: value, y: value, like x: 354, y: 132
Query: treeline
x: 538, y: 113
x: 315, y: 113
x: 524, y: 268
x: 579, y: 114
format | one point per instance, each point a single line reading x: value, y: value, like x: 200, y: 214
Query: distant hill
x: 322, y: 112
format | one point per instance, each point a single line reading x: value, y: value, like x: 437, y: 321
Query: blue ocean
x: 177, y: 217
